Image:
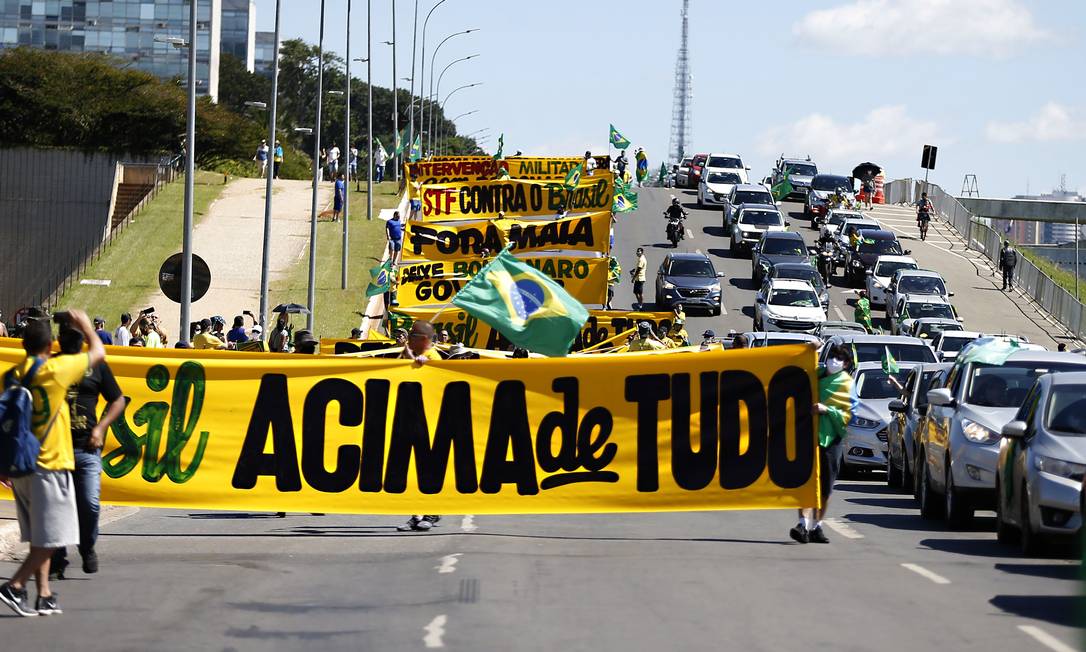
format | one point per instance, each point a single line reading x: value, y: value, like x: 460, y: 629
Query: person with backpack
x: 1008, y: 258
x: 34, y: 415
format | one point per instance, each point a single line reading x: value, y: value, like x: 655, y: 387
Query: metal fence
x: 1049, y: 295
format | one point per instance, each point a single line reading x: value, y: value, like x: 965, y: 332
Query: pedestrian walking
x: 869, y: 193
x: 380, y: 157
x: 88, y: 436
x: 262, y: 157
x: 277, y: 159
x: 394, y: 232
x: 45, y: 499
x: 100, y: 329
x: 834, y: 410
x: 340, y: 195
x: 861, y: 312
x: 123, y: 336
x: 637, y: 274
x: 333, y: 161
x: 589, y: 163
x: 1008, y: 258
x: 614, y: 276
x: 420, y: 349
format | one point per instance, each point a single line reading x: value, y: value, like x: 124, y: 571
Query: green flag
x: 889, y: 365
x: 663, y: 175
x: 380, y: 279
x: 783, y: 188
x: 617, y: 139
x: 625, y: 199
x: 524, y: 305
x: 994, y: 352
x: 501, y: 146
x: 415, y: 153
x: 399, y: 141
x: 574, y: 177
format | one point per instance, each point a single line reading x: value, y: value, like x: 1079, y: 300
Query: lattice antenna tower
x: 681, y: 119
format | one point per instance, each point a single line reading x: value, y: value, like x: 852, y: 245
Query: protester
x: 394, y: 233
x: 1008, y: 258
x: 415, y: 203
x: 589, y: 163
x: 380, y: 157
x: 646, y: 340
x: 205, y: 339
x: 352, y: 162
x: 237, y: 334
x: 614, y: 276
x: 262, y: 157
x: 834, y: 410
x: 122, y: 336
x: 137, y: 341
x: 277, y: 159
x: 637, y: 274
x: 708, y: 338
x: 420, y: 349
x: 333, y: 162
x: 869, y: 193
x: 100, y: 329
x: 256, y: 333
x: 340, y: 195
x: 861, y: 312
x: 677, y: 313
x: 88, y: 436
x: 305, y: 343
x: 45, y: 499
x: 621, y: 163
x: 678, y: 333
x: 3, y: 327
x: 400, y: 335
x: 279, y: 340
x: 740, y: 341
x: 151, y: 334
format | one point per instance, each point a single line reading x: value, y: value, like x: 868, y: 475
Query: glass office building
x: 238, y: 31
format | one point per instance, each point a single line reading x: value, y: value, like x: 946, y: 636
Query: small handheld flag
x: 889, y: 364
x: 501, y: 146
x: 415, y: 153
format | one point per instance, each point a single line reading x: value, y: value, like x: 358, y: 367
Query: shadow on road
x: 987, y: 547
x: 742, y: 283
x: 719, y: 253
x: 1055, y: 609
x: 907, y: 522
x: 715, y: 231
x: 867, y: 488
x: 1049, y: 571
x: 902, y: 502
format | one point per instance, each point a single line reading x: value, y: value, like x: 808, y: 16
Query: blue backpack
x: 19, y: 446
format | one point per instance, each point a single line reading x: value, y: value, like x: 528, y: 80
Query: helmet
x: 217, y: 319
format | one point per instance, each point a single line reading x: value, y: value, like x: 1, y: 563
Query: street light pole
x: 411, y: 106
x: 430, y: 123
x: 190, y: 174
x: 453, y: 123
x: 395, y: 101
x: 265, y: 256
x: 369, y: 106
x: 437, y: 90
x: 311, y: 294
x: 422, y: 64
x: 347, y: 146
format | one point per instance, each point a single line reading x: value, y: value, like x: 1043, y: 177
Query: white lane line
x: 840, y: 315
x: 448, y: 563
x: 842, y: 528
x: 698, y: 250
x: 1046, y: 639
x: 435, y: 631
x: 923, y: 572
x: 468, y: 523
x: 690, y: 234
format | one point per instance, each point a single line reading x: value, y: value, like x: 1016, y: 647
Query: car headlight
x: 861, y: 422
x: 714, y: 288
x: 977, y: 433
x: 1061, y: 468
x: 876, y: 282
x: 668, y: 285
x: 771, y: 320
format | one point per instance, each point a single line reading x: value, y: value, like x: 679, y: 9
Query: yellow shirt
x: 50, y: 390
x: 639, y: 271
x: 646, y: 345
x: 429, y: 354
x: 206, y: 341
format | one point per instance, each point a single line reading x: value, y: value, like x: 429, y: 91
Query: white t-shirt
x: 333, y: 154
x: 122, y: 336
x: 589, y: 164
x: 380, y: 157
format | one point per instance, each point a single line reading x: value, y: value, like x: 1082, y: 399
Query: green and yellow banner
x: 515, y: 197
x: 448, y: 240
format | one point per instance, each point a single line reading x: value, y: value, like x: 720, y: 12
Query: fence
x: 1049, y: 295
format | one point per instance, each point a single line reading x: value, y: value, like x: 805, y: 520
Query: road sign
x: 927, y: 160
x: 169, y: 278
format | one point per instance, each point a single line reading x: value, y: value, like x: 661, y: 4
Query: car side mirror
x: 897, y: 405
x: 720, y: 274
x: 1014, y: 430
x: 908, y: 251
x: 941, y: 397
x: 950, y: 294
x: 787, y: 223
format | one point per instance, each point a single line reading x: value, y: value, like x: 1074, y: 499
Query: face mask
x: 835, y: 366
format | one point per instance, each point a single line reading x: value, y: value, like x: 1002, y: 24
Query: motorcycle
x: 676, y: 231
x: 827, y: 260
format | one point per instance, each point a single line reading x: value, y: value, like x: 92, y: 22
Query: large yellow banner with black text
x: 452, y: 169
x: 447, y: 240
x: 474, y: 200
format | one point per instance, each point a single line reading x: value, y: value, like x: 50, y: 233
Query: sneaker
x: 799, y: 534
x: 432, y: 519
x: 817, y: 536
x: 409, y: 525
x: 422, y: 526
x: 48, y: 606
x: 90, y: 562
x: 16, y: 599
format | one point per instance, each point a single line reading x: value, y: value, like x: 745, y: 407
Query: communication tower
x: 681, y: 120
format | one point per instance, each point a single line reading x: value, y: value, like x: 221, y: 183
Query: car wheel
x: 956, y: 506
x: 1005, y: 532
x: 930, y: 506
x: 717, y: 307
x: 907, y: 481
x: 918, y: 464
x: 893, y: 474
x: 1028, y: 540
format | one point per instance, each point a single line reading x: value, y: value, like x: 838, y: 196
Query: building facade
x: 264, y: 60
x: 239, y: 30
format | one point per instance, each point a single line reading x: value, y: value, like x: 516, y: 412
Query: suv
x: 788, y: 305
x: 696, y: 165
x: 822, y: 186
x: 726, y: 163
x: 776, y: 247
x: 879, y: 275
x: 910, y: 307
x: 688, y: 279
x: 927, y: 328
x: 947, y: 343
x: 716, y: 185
x: 744, y: 193
x: 802, y: 272
x: 751, y: 221
x: 800, y: 172
x: 872, y: 348
x: 907, y: 422
x: 915, y: 282
x: 872, y: 244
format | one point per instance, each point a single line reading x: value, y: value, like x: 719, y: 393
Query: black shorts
x: 829, y: 465
x: 923, y: 217
x: 639, y: 287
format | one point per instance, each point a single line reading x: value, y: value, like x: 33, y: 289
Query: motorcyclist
x: 862, y: 311
x: 675, y: 214
x: 827, y: 255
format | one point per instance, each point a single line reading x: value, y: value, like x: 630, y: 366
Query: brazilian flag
x: 642, y: 166
x: 524, y: 305
x: 501, y: 146
x: 380, y: 279
x: 617, y: 139
x: 625, y: 199
x: 415, y: 153
x: 573, y: 178
x: 889, y: 364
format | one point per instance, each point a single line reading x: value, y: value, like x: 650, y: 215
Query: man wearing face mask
x: 834, y: 409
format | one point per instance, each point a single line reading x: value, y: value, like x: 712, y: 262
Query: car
x: 682, y: 175
x: 776, y: 247
x: 751, y: 221
x: 880, y: 273
x: 916, y: 282
x: 946, y: 344
x: 872, y: 348
x: 828, y: 329
x: 788, y: 305
x: 697, y: 162
x: 690, y: 280
x: 960, y: 447
x: 909, y: 413
x: 865, y: 442
x: 822, y: 186
x: 802, y: 272
x: 850, y: 226
x: 716, y: 185
x: 926, y: 328
x: 745, y: 193
x: 761, y: 339
x: 719, y: 162
x: 836, y: 218
x: 872, y: 244
x: 1042, y: 462
x: 799, y: 172
x: 912, y: 307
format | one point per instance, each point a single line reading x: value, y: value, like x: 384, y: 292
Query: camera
x: 62, y: 318
x: 148, y: 311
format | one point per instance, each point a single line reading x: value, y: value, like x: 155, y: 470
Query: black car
x: 872, y: 244
x: 688, y: 279
x: 777, y: 247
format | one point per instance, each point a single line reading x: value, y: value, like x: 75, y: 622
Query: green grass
x: 1062, y: 277
x: 132, y: 261
x: 335, y: 309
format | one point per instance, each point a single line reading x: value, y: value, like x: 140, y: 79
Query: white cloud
x: 941, y: 27
x: 1053, y: 121
x: 880, y: 136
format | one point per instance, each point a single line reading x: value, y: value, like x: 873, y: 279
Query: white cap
x: 257, y: 328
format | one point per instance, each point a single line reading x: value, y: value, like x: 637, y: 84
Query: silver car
x: 866, y: 434
x: 909, y: 413
x: 1042, y: 461
x: 960, y: 447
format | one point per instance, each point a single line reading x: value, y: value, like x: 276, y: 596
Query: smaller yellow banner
x: 447, y: 241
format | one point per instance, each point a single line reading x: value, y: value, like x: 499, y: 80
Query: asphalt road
x: 198, y: 580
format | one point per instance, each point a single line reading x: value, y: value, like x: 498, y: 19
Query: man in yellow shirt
x: 205, y: 339
x: 45, y: 499
x: 637, y: 274
x: 646, y: 340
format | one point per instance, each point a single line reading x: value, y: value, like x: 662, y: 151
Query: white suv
x: 788, y: 305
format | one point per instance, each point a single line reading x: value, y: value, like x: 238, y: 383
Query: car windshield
x: 761, y: 218
x: 879, y: 246
x: 681, y: 267
x: 794, y: 298
x: 829, y: 182
x: 876, y: 384
x: 930, y: 330
x: 723, y: 177
x: 752, y: 197
x: 837, y: 219
x: 921, y: 285
x: 801, y: 169
x: 887, y: 268
x: 1067, y: 410
x: 801, y: 273
x: 1006, y: 385
x: 685, y: 163
x: 723, y: 162
x: 875, y: 351
x: 953, y: 344
x: 918, y: 310
x: 783, y: 247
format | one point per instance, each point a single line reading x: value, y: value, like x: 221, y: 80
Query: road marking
x: 1046, y: 639
x: 448, y: 563
x: 434, y: 631
x: 698, y: 250
x: 468, y: 523
x: 690, y: 234
x: 842, y: 528
x: 923, y: 572
x: 840, y: 315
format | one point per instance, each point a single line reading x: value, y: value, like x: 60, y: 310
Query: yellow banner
x: 623, y: 433
x: 548, y: 168
x: 431, y: 283
x: 475, y: 334
x: 446, y: 241
x: 515, y: 197
x: 461, y: 169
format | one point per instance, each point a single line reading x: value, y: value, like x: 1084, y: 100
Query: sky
x: 995, y: 84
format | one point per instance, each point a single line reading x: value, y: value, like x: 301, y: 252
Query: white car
x: 836, y: 219
x: 878, y: 277
x: 858, y: 223
x: 752, y: 220
x: 915, y: 282
x: 682, y: 175
x: 911, y: 307
x: 726, y: 163
x: 947, y: 344
x: 788, y: 305
x: 716, y: 185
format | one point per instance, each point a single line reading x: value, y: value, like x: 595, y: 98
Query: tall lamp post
x: 266, y: 254
x: 441, y: 132
x: 437, y: 89
x: 347, y: 146
x: 395, y: 99
x: 311, y: 291
x: 441, y: 107
x: 422, y: 64
x: 369, y: 106
x: 430, y: 121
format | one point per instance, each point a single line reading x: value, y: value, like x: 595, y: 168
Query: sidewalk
x: 10, y: 546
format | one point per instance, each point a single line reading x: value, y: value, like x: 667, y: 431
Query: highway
x: 200, y: 580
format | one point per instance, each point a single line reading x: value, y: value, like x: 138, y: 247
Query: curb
x: 9, y: 533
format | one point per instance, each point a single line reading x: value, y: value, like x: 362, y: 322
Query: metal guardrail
x: 1049, y: 295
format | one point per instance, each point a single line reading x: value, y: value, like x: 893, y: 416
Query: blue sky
x: 996, y: 84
